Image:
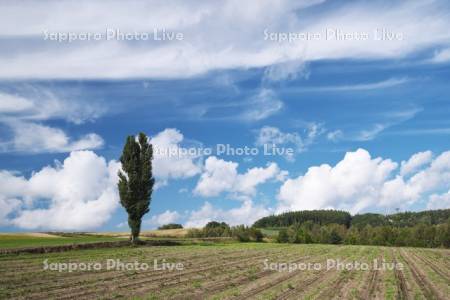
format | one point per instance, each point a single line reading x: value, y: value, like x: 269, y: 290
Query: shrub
x: 283, y: 236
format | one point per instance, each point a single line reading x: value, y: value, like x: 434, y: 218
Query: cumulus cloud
x: 171, y: 159
x: 78, y: 194
x: 437, y: 201
x: 350, y: 184
x: 359, y: 182
x: 163, y: 218
x: 220, y: 176
x: 415, y: 162
x: 246, y: 214
x: 7, y: 206
x: 81, y: 192
x: 210, y: 42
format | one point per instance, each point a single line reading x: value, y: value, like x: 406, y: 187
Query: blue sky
x: 367, y: 120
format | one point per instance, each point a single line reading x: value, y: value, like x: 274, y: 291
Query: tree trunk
x: 135, y: 226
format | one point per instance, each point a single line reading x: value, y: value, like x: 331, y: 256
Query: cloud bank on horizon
x: 357, y: 90
x: 80, y: 199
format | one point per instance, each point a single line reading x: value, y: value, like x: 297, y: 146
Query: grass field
x: 24, y: 240
x: 33, y: 240
x: 170, y: 233
x: 228, y: 271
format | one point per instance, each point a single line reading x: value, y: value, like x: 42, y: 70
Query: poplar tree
x: 136, y: 181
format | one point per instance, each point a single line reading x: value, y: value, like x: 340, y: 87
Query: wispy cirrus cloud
x: 422, y: 131
x: 269, y: 136
x: 29, y: 137
x: 441, y: 56
x: 261, y: 106
x: 387, y: 120
x: 209, y: 42
x: 388, y: 83
x: 24, y: 116
x: 257, y: 105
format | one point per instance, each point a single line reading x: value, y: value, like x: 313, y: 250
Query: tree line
x: 241, y: 233
x: 421, y: 229
x: 321, y: 217
x: 416, y: 229
x: 324, y: 217
x: 420, y: 235
x: 403, y: 219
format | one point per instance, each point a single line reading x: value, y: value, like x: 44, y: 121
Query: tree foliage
x: 420, y: 235
x: 321, y: 217
x: 170, y: 226
x: 136, y: 181
x: 403, y: 219
x: 324, y: 217
x: 241, y: 233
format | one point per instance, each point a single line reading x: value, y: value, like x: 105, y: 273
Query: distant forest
x: 325, y: 217
x: 418, y: 229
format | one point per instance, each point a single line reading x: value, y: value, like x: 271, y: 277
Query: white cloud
x: 335, y: 135
x: 289, y: 70
x: 389, y: 119
x: 370, y: 134
x: 269, y: 136
x: 11, y: 104
x: 37, y: 138
x: 222, y: 176
x: 422, y: 131
x: 171, y: 160
x: 163, y: 218
x: 218, y: 176
x: 78, y: 194
x: 359, y: 182
x: 350, y: 184
x: 246, y: 214
x: 439, y: 201
x: 122, y: 225
x: 210, y: 42
x: 262, y: 105
x: 390, y: 82
x: 38, y: 104
x: 415, y: 162
x: 313, y: 130
x: 273, y: 135
x: 24, y: 116
x: 441, y: 56
x: 7, y: 206
x: 435, y: 176
x: 246, y: 183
